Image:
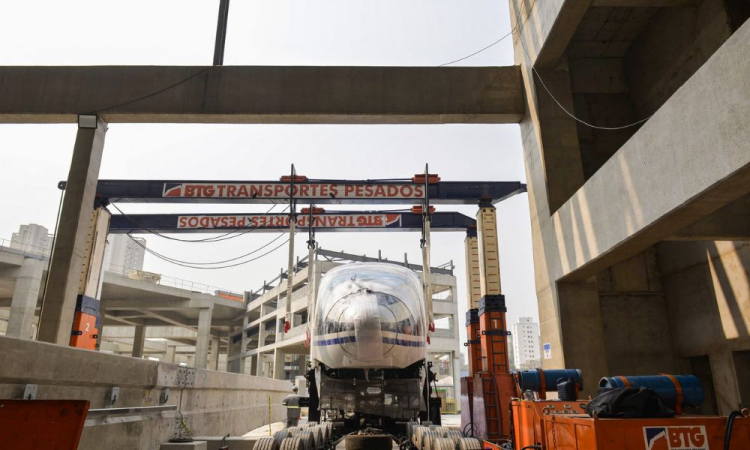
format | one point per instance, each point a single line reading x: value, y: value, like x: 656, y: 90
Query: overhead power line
x: 199, y: 265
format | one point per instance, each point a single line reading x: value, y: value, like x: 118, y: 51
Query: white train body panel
x: 369, y: 316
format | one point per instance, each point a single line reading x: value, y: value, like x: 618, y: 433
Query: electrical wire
x: 191, y: 263
x: 223, y: 237
x: 217, y: 267
x: 510, y: 33
x: 135, y: 100
x: 519, y: 26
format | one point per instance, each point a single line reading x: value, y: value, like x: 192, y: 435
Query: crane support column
x: 494, y: 385
x: 63, y: 281
x: 473, y: 294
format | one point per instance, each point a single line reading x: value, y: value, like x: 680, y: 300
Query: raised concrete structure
x: 627, y: 223
x: 262, y: 94
x: 160, y: 307
x: 144, y: 414
x: 260, y: 347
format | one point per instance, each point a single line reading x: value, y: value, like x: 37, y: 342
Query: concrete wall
x: 708, y: 294
x: 212, y: 403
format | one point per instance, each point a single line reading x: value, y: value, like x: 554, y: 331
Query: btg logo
x: 675, y: 438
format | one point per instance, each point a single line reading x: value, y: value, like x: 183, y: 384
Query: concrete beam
x: 730, y: 223
x: 56, y: 319
x: 408, y: 95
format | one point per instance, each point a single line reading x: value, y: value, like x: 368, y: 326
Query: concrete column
x: 64, y: 275
x: 457, y: 377
x: 169, y: 357
x: 215, y: 353
x: 580, y: 320
x: 725, y: 381
x: 253, y: 366
x: 102, y: 313
x: 278, y: 364
x: 139, y: 341
x: 204, y: 334
x: 25, y: 296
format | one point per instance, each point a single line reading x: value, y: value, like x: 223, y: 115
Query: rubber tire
x: 308, y: 441
x: 427, y: 438
x: 468, y: 444
x: 441, y: 430
x: 266, y: 443
x: 280, y: 435
x: 291, y: 443
x: 368, y: 442
x: 454, y: 435
x: 417, y: 436
x: 293, y: 430
x: 442, y: 443
x: 317, y: 436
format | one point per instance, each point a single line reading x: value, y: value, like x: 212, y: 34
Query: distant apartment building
x: 123, y: 253
x: 32, y: 238
x: 526, y: 352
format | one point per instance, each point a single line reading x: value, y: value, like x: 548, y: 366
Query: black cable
x: 177, y: 261
x: 730, y: 425
x: 228, y: 266
x: 223, y: 237
x: 519, y: 23
x: 130, y: 102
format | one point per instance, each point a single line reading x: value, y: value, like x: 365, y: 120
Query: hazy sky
x: 278, y: 32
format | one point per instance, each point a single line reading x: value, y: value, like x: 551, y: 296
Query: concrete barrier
x: 211, y: 403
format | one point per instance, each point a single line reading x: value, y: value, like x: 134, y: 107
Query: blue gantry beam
x: 321, y: 222
x: 317, y: 192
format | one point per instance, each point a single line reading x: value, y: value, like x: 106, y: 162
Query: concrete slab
x: 196, y: 445
x: 234, y: 442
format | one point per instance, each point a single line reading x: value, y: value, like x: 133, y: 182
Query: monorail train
x: 368, y: 344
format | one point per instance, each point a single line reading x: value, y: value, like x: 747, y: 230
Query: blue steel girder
x: 389, y: 192
x: 336, y: 221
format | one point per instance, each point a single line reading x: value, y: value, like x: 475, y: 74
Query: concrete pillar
x: 102, y: 313
x: 64, y: 275
x: 169, y: 357
x: 279, y: 359
x: 725, y: 381
x: 204, y: 334
x: 139, y: 341
x: 215, y: 353
x: 253, y: 365
x: 582, y: 343
x: 456, y: 358
x: 25, y: 296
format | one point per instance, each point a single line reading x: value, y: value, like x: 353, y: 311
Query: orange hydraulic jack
x: 493, y: 385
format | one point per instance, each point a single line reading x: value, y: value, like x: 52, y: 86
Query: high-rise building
x: 123, y: 253
x: 526, y: 350
x: 32, y: 238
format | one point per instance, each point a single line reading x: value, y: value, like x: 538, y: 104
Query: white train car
x: 368, y: 343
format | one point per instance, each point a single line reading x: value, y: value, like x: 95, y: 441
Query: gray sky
x: 278, y: 32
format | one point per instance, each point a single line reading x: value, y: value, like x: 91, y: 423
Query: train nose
x: 364, y: 322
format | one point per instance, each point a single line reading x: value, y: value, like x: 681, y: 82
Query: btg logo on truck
x: 676, y: 438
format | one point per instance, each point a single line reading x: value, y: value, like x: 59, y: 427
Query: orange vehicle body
x: 557, y: 425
